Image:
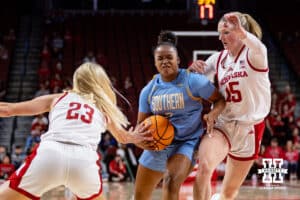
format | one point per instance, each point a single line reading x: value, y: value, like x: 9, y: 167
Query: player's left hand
x: 233, y: 22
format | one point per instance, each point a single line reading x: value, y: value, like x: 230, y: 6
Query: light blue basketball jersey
x: 179, y: 100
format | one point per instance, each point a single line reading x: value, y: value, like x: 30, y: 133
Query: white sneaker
x: 215, y: 196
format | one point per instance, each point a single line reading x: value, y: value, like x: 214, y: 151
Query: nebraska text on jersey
x: 234, y: 75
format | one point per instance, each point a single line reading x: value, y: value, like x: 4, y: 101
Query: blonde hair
x: 91, y: 82
x: 249, y: 24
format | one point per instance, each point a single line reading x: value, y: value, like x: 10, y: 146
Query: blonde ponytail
x: 254, y: 27
x: 91, y: 81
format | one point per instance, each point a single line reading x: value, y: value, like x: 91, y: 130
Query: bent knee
x: 204, y: 169
x: 172, y: 181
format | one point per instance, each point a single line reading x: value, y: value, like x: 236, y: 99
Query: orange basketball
x: 163, y: 131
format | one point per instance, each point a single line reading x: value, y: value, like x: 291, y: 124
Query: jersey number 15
x: 233, y: 94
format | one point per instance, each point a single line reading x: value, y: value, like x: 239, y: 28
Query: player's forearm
x: 26, y: 108
x: 254, y: 44
x: 5, y: 110
x: 218, y: 106
x: 13, y: 109
x: 218, y: 101
x: 35, y: 106
x: 119, y: 134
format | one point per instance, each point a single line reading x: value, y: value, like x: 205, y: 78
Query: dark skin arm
x: 142, y: 116
x: 219, y: 103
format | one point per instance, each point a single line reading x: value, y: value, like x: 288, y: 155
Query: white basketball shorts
x: 243, y: 138
x: 53, y: 164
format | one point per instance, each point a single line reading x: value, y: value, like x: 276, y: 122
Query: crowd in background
x: 281, y: 138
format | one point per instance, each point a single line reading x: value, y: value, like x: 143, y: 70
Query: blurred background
x: 43, y: 41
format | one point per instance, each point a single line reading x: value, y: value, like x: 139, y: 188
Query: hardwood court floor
x: 249, y: 191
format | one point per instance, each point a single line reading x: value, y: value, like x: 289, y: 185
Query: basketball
x: 163, y: 131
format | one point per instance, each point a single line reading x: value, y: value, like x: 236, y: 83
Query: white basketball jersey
x: 245, y: 88
x: 75, y: 120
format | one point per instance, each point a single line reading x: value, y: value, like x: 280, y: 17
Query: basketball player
x: 177, y: 94
x: 241, y: 70
x: 67, y: 153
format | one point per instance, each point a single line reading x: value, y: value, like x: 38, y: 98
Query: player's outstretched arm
x: 206, y: 67
x: 35, y: 106
x: 134, y: 135
x: 257, y: 50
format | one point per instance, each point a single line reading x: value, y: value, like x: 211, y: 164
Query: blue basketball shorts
x: 157, y: 160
